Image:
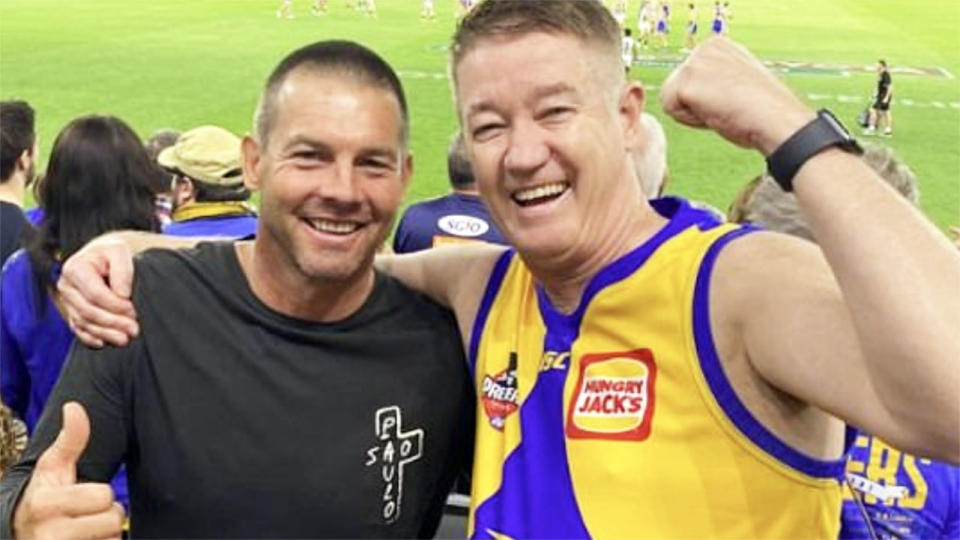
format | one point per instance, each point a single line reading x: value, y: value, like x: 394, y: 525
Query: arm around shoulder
x: 453, y: 276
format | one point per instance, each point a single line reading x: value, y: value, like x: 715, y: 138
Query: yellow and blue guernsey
x: 617, y: 420
x: 898, y: 495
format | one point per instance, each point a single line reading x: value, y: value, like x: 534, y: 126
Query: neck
x: 11, y: 191
x: 467, y: 190
x: 286, y: 290
x: 564, y: 278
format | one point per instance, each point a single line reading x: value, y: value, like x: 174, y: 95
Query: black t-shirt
x: 12, y: 225
x: 237, y: 421
x: 883, y: 83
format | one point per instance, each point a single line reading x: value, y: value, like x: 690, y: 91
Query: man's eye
x: 376, y: 165
x: 486, y: 131
x: 557, y: 113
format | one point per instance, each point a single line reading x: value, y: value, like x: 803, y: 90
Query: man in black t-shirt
x: 280, y: 387
x: 18, y: 157
x: 880, y: 110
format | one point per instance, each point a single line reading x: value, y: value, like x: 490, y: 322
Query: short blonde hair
x: 587, y: 19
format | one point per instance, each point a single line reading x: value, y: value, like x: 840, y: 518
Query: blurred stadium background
x: 180, y: 64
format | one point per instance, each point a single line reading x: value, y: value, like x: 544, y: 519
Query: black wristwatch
x: 822, y: 132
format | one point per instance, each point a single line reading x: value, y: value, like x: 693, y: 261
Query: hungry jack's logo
x: 499, y: 394
x: 614, y: 397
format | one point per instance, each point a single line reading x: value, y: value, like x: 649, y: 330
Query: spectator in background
x: 455, y: 218
x: 209, y: 198
x: 692, y: 25
x: 627, y: 49
x: 760, y: 202
x: 99, y: 179
x: 902, y: 496
x: 13, y: 438
x: 644, y: 22
x: 663, y: 23
x: 650, y: 163
x: 880, y: 111
x: 650, y: 159
x: 158, y: 142
x: 286, y: 9
x: 18, y: 159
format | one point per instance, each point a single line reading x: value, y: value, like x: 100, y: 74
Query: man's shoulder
x: 18, y: 264
x: 398, y: 296
x: 208, y: 259
x: 12, y: 219
x: 11, y: 211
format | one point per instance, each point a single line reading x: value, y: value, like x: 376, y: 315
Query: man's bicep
x: 795, y: 328
x: 100, y: 380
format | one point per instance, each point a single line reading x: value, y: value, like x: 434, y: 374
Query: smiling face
x: 549, y: 123
x: 332, y: 173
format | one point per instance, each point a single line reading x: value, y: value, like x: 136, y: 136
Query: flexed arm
x: 867, y: 329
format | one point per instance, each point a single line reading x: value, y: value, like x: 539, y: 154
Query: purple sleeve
x: 14, y: 378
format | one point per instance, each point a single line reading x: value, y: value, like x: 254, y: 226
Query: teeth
x: 335, y: 227
x: 540, y: 192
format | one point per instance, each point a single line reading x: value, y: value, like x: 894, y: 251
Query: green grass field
x: 180, y: 64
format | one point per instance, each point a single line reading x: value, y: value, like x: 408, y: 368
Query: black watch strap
x: 822, y: 132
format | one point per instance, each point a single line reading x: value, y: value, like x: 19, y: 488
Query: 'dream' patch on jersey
x: 499, y: 395
x: 614, y: 397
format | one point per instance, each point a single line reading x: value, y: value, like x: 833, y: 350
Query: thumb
x: 121, y: 272
x: 58, y: 464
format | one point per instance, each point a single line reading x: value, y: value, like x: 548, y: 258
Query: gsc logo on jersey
x: 614, y: 397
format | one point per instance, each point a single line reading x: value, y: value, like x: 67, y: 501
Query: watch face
x: 849, y: 143
x: 834, y: 123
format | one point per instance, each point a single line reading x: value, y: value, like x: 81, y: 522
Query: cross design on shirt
x: 394, y: 450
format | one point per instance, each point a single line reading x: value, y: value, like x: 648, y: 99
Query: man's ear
x: 184, y: 190
x: 251, y: 161
x: 407, y: 171
x: 632, y: 98
x: 25, y: 159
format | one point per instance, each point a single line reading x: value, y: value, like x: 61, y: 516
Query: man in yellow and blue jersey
x: 642, y: 369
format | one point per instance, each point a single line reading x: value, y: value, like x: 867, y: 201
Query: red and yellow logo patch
x: 614, y: 397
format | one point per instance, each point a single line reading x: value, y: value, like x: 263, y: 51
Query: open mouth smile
x: 540, y: 194
x: 331, y: 226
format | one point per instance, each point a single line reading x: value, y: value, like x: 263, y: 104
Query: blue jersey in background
x: 455, y: 218
x: 906, y: 497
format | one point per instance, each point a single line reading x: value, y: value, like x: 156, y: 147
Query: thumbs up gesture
x: 54, y: 505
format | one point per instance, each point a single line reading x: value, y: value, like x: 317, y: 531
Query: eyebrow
x: 538, y: 94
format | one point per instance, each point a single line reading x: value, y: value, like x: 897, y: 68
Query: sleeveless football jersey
x: 617, y: 420
x: 904, y: 496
